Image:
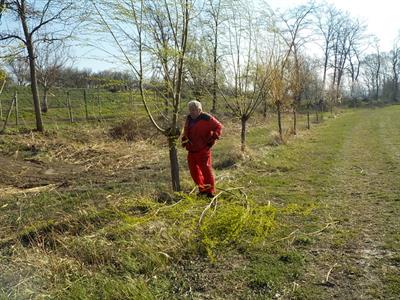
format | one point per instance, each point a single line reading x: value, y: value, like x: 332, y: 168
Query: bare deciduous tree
x: 35, y: 20
x: 296, y: 21
x: 244, y: 66
x: 135, y: 28
x: 50, y: 61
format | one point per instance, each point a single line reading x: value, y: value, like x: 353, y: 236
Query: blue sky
x: 382, y: 18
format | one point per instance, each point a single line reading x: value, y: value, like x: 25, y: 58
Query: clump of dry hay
x: 274, y: 139
x: 132, y: 130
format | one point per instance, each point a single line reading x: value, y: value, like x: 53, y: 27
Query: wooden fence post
x: 99, y: 105
x: 8, y: 115
x: 86, y: 105
x: 1, y: 105
x: 71, y: 118
x: 16, y: 108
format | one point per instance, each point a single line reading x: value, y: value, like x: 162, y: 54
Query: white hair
x: 195, y: 104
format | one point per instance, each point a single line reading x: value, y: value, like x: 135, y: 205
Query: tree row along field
x: 66, y: 106
x: 86, y: 216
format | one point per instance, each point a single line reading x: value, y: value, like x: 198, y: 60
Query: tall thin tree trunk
x: 308, y: 118
x: 294, y: 121
x: 173, y: 157
x: 1, y: 105
x: 44, y: 100
x: 214, y: 92
x: 280, y: 121
x: 32, y: 68
x: 34, y: 87
x: 265, y: 109
x: 16, y: 108
x: 243, y: 133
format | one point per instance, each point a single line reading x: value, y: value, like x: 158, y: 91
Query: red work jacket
x: 201, y: 133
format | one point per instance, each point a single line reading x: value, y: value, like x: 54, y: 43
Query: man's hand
x: 211, y: 143
x: 185, y: 141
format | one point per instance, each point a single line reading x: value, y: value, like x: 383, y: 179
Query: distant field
x: 86, y: 216
x: 102, y: 106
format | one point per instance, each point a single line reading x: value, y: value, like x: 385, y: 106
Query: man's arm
x: 184, y: 139
x: 216, y: 128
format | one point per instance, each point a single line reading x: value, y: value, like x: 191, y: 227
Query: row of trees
x: 247, y: 56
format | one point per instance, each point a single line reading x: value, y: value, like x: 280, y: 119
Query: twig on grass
x: 213, y: 202
x: 322, y: 229
x: 361, y: 169
x: 310, y: 233
x: 329, y: 273
x: 286, y: 237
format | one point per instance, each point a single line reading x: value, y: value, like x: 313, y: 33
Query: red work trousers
x: 200, y: 167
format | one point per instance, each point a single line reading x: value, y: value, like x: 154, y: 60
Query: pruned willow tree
x: 244, y: 76
x: 278, y: 75
x: 295, y: 22
x: 313, y: 88
x: 152, y: 36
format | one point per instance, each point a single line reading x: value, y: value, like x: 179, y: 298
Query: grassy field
x: 86, y: 216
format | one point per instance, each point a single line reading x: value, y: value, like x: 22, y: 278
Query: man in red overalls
x: 200, y: 133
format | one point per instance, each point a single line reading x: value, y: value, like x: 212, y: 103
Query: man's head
x: 194, y: 109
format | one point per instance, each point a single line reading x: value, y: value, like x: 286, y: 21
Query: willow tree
x: 243, y: 65
x: 278, y: 75
x: 296, y: 21
x: 143, y: 41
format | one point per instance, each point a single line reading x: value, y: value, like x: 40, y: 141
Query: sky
x: 381, y: 17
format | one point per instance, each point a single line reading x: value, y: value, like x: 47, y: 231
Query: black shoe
x: 205, y: 194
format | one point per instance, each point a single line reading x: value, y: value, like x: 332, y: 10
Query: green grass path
x: 317, y: 218
x: 357, y: 257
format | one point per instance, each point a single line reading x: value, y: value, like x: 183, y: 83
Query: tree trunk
x: 44, y: 100
x: 265, y: 109
x: 173, y: 158
x: 1, y: 105
x: 32, y: 68
x: 214, y: 100
x: 16, y: 108
x: 308, y: 119
x: 34, y: 87
x: 294, y: 121
x: 243, y: 133
x: 280, y: 121
x: 316, y: 116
